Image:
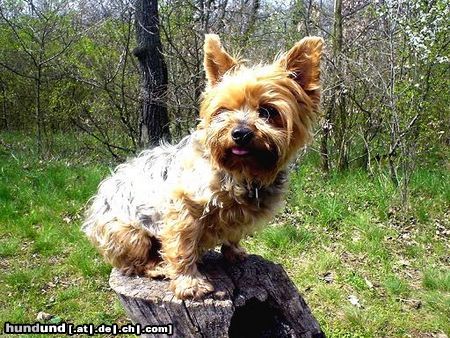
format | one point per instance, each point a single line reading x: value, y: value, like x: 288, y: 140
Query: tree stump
x: 253, y: 298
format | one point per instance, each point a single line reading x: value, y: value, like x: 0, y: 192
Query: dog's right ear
x: 303, y: 63
x: 216, y: 61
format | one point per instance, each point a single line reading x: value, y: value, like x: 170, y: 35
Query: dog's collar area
x: 253, y: 193
x: 241, y: 190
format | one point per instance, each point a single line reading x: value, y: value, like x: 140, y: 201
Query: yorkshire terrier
x: 158, y: 213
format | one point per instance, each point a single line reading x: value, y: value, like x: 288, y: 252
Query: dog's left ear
x: 216, y: 60
x: 303, y: 62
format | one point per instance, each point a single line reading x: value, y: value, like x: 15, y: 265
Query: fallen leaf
x: 43, y: 316
x: 354, y: 301
x: 328, y: 277
x: 403, y: 262
x: 368, y: 283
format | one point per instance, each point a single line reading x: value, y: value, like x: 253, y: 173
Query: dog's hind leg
x: 126, y: 246
x: 180, y: 251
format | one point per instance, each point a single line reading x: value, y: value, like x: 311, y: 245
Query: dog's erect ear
x: 303, y: 62
x: 216, y: 61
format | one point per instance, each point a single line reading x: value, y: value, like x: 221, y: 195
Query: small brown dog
x: 158, y: 213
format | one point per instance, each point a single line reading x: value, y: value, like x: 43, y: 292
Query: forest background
x: 365, y: 232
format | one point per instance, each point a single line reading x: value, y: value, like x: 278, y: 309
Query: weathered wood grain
x: 253, y: 298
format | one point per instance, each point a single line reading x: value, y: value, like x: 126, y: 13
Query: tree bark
x: 40, y: 123
x: 5, y: 123
x: 335, y: 117
x: 154, y: 119
x: 253, y: 298
x: 339, y: 96
x: 326, y: 129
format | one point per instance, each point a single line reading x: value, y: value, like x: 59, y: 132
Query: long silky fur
x: 157, y: 213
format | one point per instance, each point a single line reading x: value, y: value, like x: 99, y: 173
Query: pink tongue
x: 239, y: 151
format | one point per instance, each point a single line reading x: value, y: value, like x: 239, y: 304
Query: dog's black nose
x: 242, y: 135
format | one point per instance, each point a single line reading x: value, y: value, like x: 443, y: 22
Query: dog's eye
x: 220, y: 111
x: 267, y: 112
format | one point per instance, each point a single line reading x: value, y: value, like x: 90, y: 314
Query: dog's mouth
x: 240, y: 151
x: 253, y: 158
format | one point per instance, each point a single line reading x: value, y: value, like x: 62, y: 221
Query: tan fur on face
x: 290, y: 85
x: 158, y: 213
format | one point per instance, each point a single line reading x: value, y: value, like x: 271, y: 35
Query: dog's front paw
x: 190, y: 286
x: 233, y: 253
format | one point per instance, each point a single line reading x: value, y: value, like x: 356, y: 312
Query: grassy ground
x: 365, y: 267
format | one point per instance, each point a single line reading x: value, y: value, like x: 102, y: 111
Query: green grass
x: 392, y: 260
x: 436, y: 280
x: 46, y: 264
x: 338, y: 236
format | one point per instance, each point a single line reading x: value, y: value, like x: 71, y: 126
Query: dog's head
x: 255, y: 119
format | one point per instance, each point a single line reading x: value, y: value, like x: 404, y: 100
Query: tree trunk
x: 394, y: 119
x: 5, y: 124
x: 337, y: 28
x: 154, y: 120
x: 336, y: 110
x: 253, y: 298
x: 38, y: 111
x: 326, y: 129
x: 249, y: 26
x: 339, y: 96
